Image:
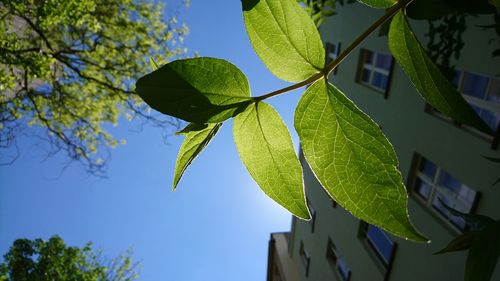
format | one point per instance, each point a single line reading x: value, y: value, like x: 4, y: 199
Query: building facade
x: 442, y: 162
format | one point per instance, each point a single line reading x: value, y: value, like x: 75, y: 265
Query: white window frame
x: 437, y: 188
x: 373, y: 68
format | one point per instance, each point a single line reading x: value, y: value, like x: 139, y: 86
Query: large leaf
x: 483, y: 254
x: 201, y: 90
x: 381, y: 4
x: 459, y: 243
x: 194, y: 143
x: 352, y: 159
x: 266, y: 149
x: 426, y: 77
x: 284, y: 37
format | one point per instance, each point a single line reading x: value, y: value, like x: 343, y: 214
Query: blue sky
x: 216, y: 226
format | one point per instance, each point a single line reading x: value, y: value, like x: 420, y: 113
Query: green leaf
x: 459, y: 243
x: 352, y: 159
x: 427, y: 78
x: 474, y: 221
x: 428, y: 9
x: 192, y: 127
x: 200, y: 90
x: 483, y: 254
x: 495, y: 3
x: 380, y: 4
x: 194, y: 143
x: 153, y: 63
x: 284, y: 37
x: 266, y: 149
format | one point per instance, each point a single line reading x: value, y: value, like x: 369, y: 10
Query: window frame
x: 332, y: 52
x: 313, y: 212
x: 333, y: 257
x: 305, y: 257
x: 473, y: 101
x: 362, y: 65
x: 436, y: 188
x: 372, y: 248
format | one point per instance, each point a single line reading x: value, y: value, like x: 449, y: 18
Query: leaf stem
x: 330, y: 67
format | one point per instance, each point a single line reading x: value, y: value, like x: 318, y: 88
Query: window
x: 312, y: 222
x: 439, y: 190
x: 337, y: 262
x: 379, y: 242
x: 482, y: 93
x: 375, y: 70
x: 332, y: 52
x: 305, y: 257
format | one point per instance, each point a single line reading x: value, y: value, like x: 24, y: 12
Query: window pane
x: 368, y: 57
x: 467, y: 196
x: 343, y: 269
x: 380, y: 80
x: 439, y: 200
x: 456, y: 78
x: 494, y: 91
x: 423, y: 189
x: 451, y: 183
x: 383, y: 61
x: 427, y: 168
x: 474, y: 85
x: 365, y: 77
x: 490, y: 118
x: 381, y: 242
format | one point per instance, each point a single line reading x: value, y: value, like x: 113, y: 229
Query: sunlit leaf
x: 381, y: 4
x: 284, y: 37
x: 483, y: 254
x: 201, y: 90
x: 194, y: 143
x: 352, y: 159
x: 153, y: 63
x: 427, y: 78
x: 266, y: 149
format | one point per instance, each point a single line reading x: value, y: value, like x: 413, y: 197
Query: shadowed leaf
x: 459, y: 243
x: 427, y: 78
x: 200, y: 90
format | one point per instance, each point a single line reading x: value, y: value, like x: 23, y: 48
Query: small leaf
x: 427, y: 78
x: 483, y: 254
x: 380, y: 4
x: 284, y: 37
x: 495, y: 3
x: 194, y: 143
x: 474, y: 221
x: 459, y: 243
x: 266, y: 149
x: 352, y: 159
x: 200, y: 90
x: 154, y: 65
x: 428, y: 9
x: 192, y: 127
x: 492, y: 159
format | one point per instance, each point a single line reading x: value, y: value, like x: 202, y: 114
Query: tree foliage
x: 69, y: 66
x: 54, y: 260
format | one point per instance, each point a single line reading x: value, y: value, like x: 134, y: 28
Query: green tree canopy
x: 53, y: 260
x: 68, y: 67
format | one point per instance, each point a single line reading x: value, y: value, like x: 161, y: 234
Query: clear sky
x: 216, y: 226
